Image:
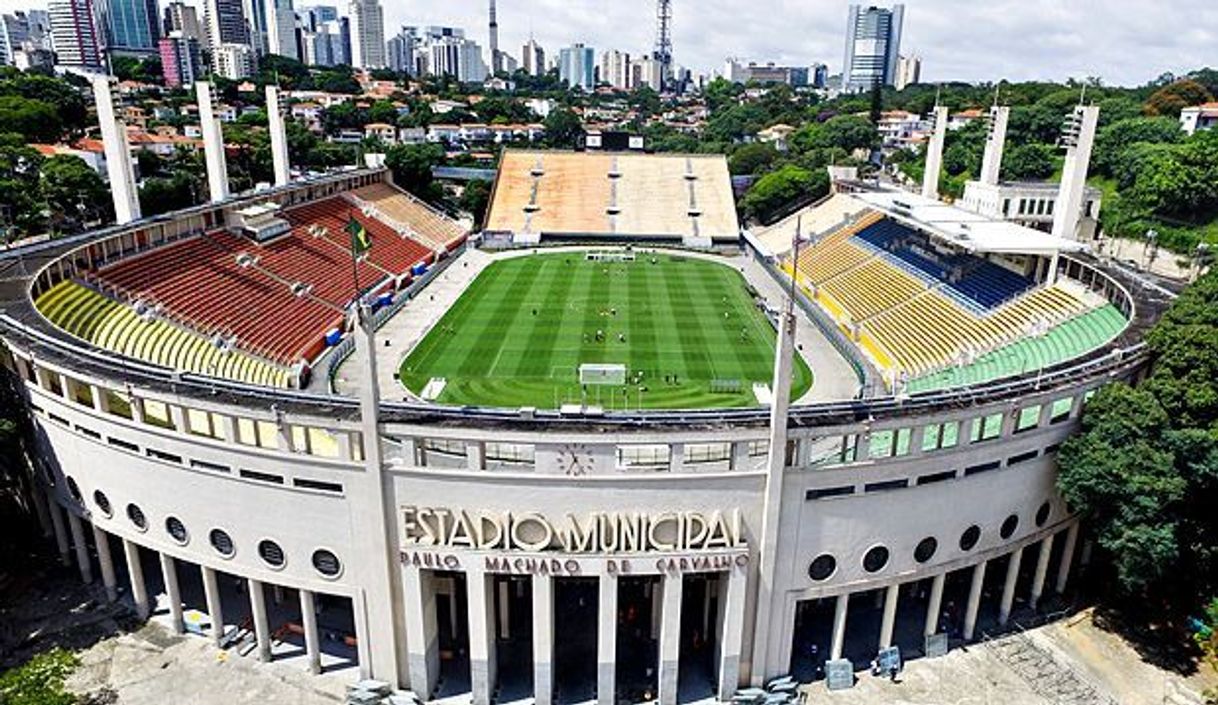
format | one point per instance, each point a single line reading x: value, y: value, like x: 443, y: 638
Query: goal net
x: 596, y: 373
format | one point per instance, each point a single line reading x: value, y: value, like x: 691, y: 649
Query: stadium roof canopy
x: 964, y: 229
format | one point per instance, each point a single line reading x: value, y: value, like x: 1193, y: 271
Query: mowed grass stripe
x: 493, y: 351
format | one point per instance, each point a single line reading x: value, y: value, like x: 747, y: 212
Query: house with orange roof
x: 1199, y: 117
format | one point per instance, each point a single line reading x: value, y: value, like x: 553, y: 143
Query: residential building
x: 615, y: 69
x: 646, y: 71
x: 401, y: 51
x: 318, y: 14
x: 256, y: 18
x: 131, y: 27
x: 281, y: 29
x: 577, y: 66
x: 180, y: 62
x: 180, y: 17
x: 31, y: 57
x: 909, y: 71
x: 508, y: 63
x: 224, y: 23
x: 1199, y: 117
x: 367, y: 34
x: 873, y: 43
x: 233, y: 61
x: 75, y: 35
x: 23, y: 31
x: 457, y: 57
x: 329, y: 45
x: 533, y: 58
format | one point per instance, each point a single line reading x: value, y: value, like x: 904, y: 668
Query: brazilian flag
x: 361, y: 241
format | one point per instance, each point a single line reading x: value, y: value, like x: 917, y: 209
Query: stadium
x: 606, y: 447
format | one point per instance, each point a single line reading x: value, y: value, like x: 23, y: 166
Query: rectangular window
x: 162, y: 455
x: 120, y: 443
x: 886, y: 486
x: 1022, y: 458
x: 262, y: 476
x: 1060, y: 411
x: 205, y: 465
x: 322, y: 443
x: 82, y: 393
x: 707, y: 452
x: 930, y: 437
x: 901, y: 445
x: 881, y: 444
x: 643, y: 456
x: 88, y: 432
x: 119, y: 404
x: 157, y: 414
x: 307, y: 484
x: 1052, y: 450
x: 1028, y: 418
x: 937, y: 477
x: 984, y: 467
x: 826, y: 492
x: 986, y: 428
x: 59, y: 420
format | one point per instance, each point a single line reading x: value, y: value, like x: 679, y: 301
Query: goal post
x: 600, y: 373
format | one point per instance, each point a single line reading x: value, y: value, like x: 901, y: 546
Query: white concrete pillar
x: 543, y: 639
x: 606, y: 642
x: 422, y: 647
x: 676, y: 457
x: 740, y: 456
x: 991, y: 162
x: 1042, y: 570
x: 215, y: 610
x: 213, y: 143
x: 308, y: 620
x: 839, y: 626
x: 169, y: 572
x: 732, y: 636
x: 1063, y: 568
x: 102, y: 540
x: 118, y: 154
x: 1069, y: 208
x: 889, y: 620
x: 135, y: 571
x: 1008, y: 586
x: 481, y: 636
x: 279, y: 136
x: 262, y: 629
x: 670, y: 638
x: 61, y: 533
x: 934, y: 154
x: 974, y: 601
x: 934, y: 604
x: 82, y: 548
x: 475, y: 455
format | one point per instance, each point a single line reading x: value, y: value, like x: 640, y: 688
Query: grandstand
x: 409, y: 216
x: 926, y: 312
x: 826, y: 216
x: 613, y: 195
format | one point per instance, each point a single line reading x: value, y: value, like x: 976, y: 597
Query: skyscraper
x: 23, y: 30
x: 224, y: 23
x: 873, y: 43
x: 533, y: 58
x: 256, y: 16
x: 180, y: 17
x: 615, y: 69
x: 401, y: 51
x: 281, y: 28
x: 131, y: 26
x: 909, y: 71
x: 75, y: 34
x: 577, y: 66
x: 180, y: 63
x: 367, y: 34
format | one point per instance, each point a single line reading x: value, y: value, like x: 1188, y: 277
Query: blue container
x: 333, y: 336
x: 385, y: 299
x: 420, y: 268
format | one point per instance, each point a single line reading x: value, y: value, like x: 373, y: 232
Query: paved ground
x: 1165, y: 263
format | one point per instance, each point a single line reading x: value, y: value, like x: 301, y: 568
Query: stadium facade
x: 520, y: 552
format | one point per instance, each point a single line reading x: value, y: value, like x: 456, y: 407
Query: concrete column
x: 118, y: 153
x: 177, y: 416
x: 135, y: 570
x: 543, y: 638
x: 606, y: 643
x: 215, y: 611
x: 169, y: 571
x: 676, y: 457
x: 934, y: 154
x: 262, y: 629
x: 991, y: 162
x: 974, y: 601
x: 1063, y: 569
x: 308, y: 619
x: 740, y: 455
x: 1008, y: 587
x: 1042, y: 570
x: 61, y: 533
x: 213, y: 143
x: 102, y: 540
x: 934, y: 604
x: 422, y: 648
x: 890, y: 615
x: 481, y: 636
x: 475, y: 455
x: 279, y: 138
x: 101, y: 402
x: 137, y: 409
x: 732, y: 635
x: 82, y: 549
x: 670, y: 639
x: 839, y: 626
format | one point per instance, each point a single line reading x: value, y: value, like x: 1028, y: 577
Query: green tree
x: 1172, y: 98
x: 752, y: 158
x: 64, y: 96
x: 781, y: 188
x: 40, y: 681
x: 1116, y: 139
x: 475, y: 198
x: 411, y: 165
x: 1028, y: 162
x: 20, y: 192
x: 74, y: 193
x: 33, y: 119
x: 563, y: 127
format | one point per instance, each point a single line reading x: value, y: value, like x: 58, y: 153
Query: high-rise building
x: 75, y: 35
x: 401, y: 51
x: 647, y: 72
x: 615, y: 69
x: 131, y: 26
x: 533, y: 58
x: 180, y: 62
x: 873, y: 43
x: 23, y: 31
x: 325, y: 46
x: 281, y: 28
x: 180, y: 17
x: 312, y: 16
x: 577, y: 66
x: 455, y: 56
x: 256, y: 18
x: 234, y: 61
x: 493, y: 34
x: 224, y: 23
x: 909, y: 71
x: 367, y: 34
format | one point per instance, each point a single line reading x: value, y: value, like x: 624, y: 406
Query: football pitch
x: 687, y: 330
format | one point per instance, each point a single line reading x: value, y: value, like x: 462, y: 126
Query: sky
x: 1124, y: 42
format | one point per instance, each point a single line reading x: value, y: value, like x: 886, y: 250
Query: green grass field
x: 520, y: 332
